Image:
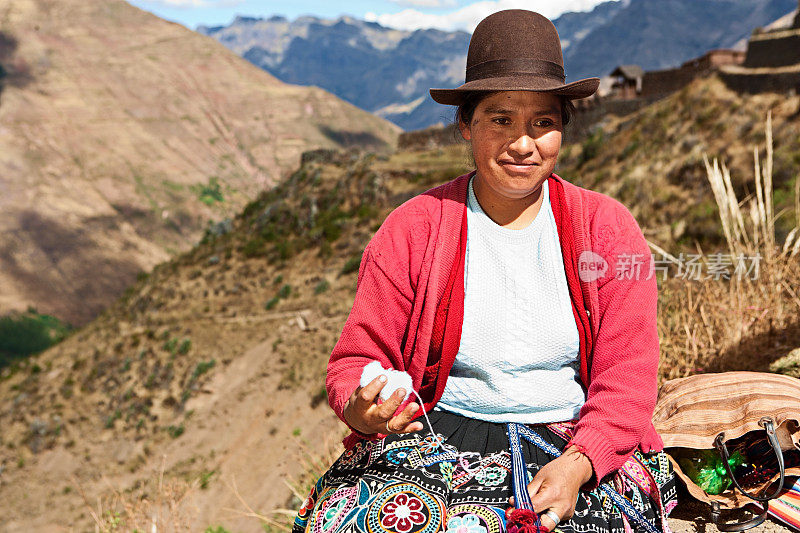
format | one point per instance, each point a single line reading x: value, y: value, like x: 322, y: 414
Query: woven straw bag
x: 707, y: 411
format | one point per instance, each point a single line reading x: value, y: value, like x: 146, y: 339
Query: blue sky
x: 404, y: 14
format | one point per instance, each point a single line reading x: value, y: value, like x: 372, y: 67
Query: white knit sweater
x: 518, y: 357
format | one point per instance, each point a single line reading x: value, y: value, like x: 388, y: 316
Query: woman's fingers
x: 556, y: 499
x: 533, y: 489
x: 407, y: 415
x: 546, y: 498
x: 559, y: 483
x: 366, y: 396
x: 360, y: 409
x: 386, y: 410
x: 548, y: 522
x: 367, y: 416
x: 547, y: 495
x: 403, y: 422
x: 551, y: 491
x: 555, y: 493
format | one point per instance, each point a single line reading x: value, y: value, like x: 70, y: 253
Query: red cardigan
x: 409, y: 308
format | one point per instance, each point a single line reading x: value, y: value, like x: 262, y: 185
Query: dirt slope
x: 122, y: 135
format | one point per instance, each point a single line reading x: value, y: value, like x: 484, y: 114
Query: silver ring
x: 552, y: 516
x: 388, y: 431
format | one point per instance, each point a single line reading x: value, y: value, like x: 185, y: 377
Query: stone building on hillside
x: 776, y: 48
x: 630, y: 82
x: 716, y: 58
x: 772, y: 62
x: 626, y: 82
x: 658, y: 83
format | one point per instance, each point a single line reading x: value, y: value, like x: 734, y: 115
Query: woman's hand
x: 368, y: 417
x: 555, y: 487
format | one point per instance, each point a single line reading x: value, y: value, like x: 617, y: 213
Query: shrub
x: 171, y: 345
x: 285, y: 291
x: 112, y: 418
x: 351, y: 265
x: 322, y: 286
x: 176, y: 431
x: 185, y: 346
x: 203, y: 367
x: 285, y: 250
x: 318, y: 397
x: 29, y: 333
x: 210, y: 193
x: 591, y: 147
x: 254, y: 247
x: 205, y: 478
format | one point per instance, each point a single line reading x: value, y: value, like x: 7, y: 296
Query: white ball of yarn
x: 395, y: 379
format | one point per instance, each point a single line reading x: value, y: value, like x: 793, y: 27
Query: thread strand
x: 425, y: 413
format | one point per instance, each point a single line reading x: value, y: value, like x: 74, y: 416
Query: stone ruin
x: 772, y: 62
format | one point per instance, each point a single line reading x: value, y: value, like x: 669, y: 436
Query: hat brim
x: 577, y: 89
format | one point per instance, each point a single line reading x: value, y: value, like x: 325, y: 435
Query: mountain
x: 573, y: 27
x: 122, y: 135
x: 388, y: 72
x: 209, y: 372
x: 385, y: 71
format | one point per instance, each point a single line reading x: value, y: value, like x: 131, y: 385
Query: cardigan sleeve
x: 377, y: 327
x: 623, y: 387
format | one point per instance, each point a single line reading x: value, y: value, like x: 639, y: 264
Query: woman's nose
x: 523, y: 144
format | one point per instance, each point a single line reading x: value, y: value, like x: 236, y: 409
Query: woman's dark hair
x: 465, y: 111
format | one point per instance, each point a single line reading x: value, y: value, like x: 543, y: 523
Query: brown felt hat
x: 515, y: 50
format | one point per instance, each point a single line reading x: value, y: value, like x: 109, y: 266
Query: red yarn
x: 525, y: 521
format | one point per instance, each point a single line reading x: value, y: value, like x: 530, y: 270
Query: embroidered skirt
x: 459, y: 481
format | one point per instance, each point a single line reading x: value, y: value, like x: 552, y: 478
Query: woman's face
x: 515, y: 137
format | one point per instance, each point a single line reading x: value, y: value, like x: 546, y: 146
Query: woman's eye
x: 544, y: 123
x: 503, y: 121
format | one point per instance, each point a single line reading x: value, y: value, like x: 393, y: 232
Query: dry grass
x: 315, y: 463
x: 160, y: 506
x: 739, y: 323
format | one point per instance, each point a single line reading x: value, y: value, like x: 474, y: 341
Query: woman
x: 518, y: 303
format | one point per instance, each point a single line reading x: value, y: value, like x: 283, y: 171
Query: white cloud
x: 467, y: 17
x: 426, y: 3
x: 198, y: 3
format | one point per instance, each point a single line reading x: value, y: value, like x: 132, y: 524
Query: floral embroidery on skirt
x: 459, y: 482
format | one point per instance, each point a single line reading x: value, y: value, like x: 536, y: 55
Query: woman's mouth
x: 517, y: 168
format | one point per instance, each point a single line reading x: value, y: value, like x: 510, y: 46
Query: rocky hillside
x: 389, y: 72
x: 122, y: 135
x: 215, y: 360
x: 213, y: 365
